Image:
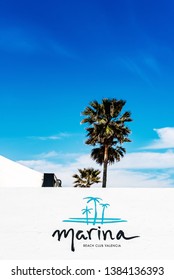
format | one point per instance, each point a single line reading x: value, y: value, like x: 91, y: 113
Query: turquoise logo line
x: 94, y: 213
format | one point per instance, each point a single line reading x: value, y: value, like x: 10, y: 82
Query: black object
x: 50, y: 180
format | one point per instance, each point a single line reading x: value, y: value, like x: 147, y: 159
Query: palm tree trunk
x: 103, y: 211
x: 105, y: 166
x: 95, y: 212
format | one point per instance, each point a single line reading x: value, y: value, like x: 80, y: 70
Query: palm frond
x: 86, y: 177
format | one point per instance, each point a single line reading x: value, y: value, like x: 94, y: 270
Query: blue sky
x: 57, y: 56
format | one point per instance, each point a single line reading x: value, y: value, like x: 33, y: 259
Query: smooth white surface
x: 29, y: 216
x: 13, y: 174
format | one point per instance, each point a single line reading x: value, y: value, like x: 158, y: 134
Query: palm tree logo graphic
x: 95, y: 200
x: 95, y: 215
x: 104, y: 205
x: 87, y: 211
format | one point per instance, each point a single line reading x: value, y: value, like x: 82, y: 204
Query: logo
x: 87, y: 211
x: 94, y: 213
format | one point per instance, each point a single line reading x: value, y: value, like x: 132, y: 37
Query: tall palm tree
x: 104, y: 205
x: 86, y: 177
x: 106, y: 128
x: 114, y: 154
x: 95, y: 200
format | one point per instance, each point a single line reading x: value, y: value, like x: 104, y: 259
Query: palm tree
x: 104, y: 205
x: 86, y: 177
x: 114, y: 154
x: 95, y: 200
x: 86, y: 211
x: 106, y: 128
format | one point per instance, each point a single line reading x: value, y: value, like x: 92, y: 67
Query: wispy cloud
x: 44, y: 138
x: 16, y: 39
x: 166, y: 139
x: 59, y: 49
x: 57, y: 155
x: 139, y: 169
x: 51, y: 137
x: 142, y: 66
x: 139, y: 179
x: 25, y: 40
x: 52, y: 154
x: 135, y: 170
x: 135, y: 68
x: 147, y: 160
x: 151, y: 63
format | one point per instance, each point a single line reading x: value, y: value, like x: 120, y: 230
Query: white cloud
x: 147, y: 160
x: 134, y: 170
x: 166, y: 138
x: 138, y: 169
x: 63, y: 171
x: 138, y: 179
x: 51, y: 137
x: 51, y: 154
x: 57, y: 155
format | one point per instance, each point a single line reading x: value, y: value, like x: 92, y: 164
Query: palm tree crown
x: 114, y: 154
x: 106, y: 128
x: 86, y: 177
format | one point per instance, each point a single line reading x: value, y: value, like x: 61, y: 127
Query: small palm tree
x: 86, y: 177
x: 106, y: 128
x: 86, y: 211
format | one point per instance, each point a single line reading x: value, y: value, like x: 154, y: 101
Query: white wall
x: 13, y: 174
